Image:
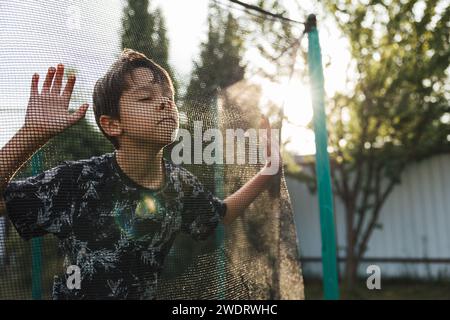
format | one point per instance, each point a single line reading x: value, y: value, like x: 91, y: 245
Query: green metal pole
x: 36, y: 243
x: 329, y: 265
x: 219, y: 192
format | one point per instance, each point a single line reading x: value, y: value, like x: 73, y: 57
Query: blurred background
x: 386, y: 70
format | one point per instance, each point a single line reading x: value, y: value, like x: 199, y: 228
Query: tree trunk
x: 351, y: 270
x: 351, y: 264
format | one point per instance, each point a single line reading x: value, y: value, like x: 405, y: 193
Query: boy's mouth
x: 167, y: 119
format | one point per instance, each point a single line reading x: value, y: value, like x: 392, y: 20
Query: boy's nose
x: 166, y: 102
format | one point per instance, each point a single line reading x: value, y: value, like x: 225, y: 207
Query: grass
x: 391, y: 289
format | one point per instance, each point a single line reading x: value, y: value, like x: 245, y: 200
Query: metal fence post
x: 329, y: 264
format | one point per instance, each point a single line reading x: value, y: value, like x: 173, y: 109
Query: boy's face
x: 148, y: 114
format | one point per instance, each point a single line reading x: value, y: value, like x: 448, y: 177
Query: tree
x: 221, y: 54
x: 397, y: 112
x: 220, y: 66
x: 145, y: 31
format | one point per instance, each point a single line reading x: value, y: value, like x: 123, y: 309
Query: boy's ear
x: 110, y: 125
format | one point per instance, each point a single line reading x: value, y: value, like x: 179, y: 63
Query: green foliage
x: 219, y: 67
x: 398, y: 111
x: 401, y: 93
x: 144, y: 30
x: 220, y: 64
x: 80, y: 141
x: 276, y: 40
x: 15, y: 274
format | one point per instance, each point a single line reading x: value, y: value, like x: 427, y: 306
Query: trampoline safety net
x: 83, y: 218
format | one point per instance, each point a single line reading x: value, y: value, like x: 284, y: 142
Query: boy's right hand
x: 47, y: 112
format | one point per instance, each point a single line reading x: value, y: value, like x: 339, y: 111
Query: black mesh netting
x: 128, y: 241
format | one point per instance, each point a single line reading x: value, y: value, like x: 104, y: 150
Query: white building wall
x: 415, y: 222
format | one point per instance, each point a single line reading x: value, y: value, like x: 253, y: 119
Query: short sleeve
x: 41, y: 204
x: 202, y: 211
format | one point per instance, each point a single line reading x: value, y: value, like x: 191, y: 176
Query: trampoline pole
x: 36, y: 243
x: 329, y: 264
x: 219, y: 192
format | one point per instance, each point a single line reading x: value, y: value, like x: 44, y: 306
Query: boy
x: 116, y: 215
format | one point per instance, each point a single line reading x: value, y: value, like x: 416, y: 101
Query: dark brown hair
x: 110, y: 87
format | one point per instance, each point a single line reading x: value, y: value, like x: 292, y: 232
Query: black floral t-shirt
x: 116, y: 231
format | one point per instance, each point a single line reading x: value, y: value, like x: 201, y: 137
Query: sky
x: 86, y: 34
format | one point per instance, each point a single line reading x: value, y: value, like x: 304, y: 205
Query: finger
x: 264, y: 122
x: 67, y: 93
x: 265, y: 141
x: 79, y: 114
x: 48, y: 80
x: 57, y: 83
x: 269, y: 135
x: 34, y: 85
x: 267, y: 126
x: 269, y: 144
x: 263, y: 125
x: 266, y: 119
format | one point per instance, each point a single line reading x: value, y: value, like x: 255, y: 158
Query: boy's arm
x: 241, y: 199
x: 13, y: 155
x: 47, y: 115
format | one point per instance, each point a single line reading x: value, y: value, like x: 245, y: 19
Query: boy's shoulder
x: 95, y: 165
x: 103, y: 167
x: 94, y: 161
x: 185, y: 177
x: 75, y: 171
